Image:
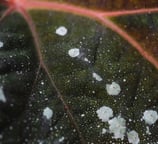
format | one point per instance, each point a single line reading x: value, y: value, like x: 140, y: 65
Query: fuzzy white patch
x: 96, y: 76
x: 117, y: 127
x: 74, y: 52
x: 133, y: 137
x: 2, y: 96
x: 104, y: 113
x: 62, y: 31
x: 150, y: 116
x: 48, y: 113
x: 113, y: 89
x: 1, y: 44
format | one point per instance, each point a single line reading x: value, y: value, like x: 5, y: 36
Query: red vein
x: 42, y: 65
x: 130, y: 12
x: 132, y: 41
x: 6, y: 13
x: 84, y: 11
x: 100, y: 17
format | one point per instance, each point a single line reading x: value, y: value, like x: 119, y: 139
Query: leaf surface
x: 108, y: 54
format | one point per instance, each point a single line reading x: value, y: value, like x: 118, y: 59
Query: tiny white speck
x: 2, y: 96
x: 104, y: 113
x: 104, y: 131
x: 62, y: 31
x: 82, y: 115
x: 1, y: 44
x: 48, y: 113
x: 150, y: 117
x: 61, y: 139
x: 96, y: 76
x: 113, y: 89
x: 42, y: 83
x: 133, y: 137
x: 74, y: 52
x: 148, y: 131
x: 86, y: 60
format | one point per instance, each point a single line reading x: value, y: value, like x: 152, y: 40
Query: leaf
x: 49, y: 77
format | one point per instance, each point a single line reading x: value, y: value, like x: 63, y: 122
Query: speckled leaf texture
x: 37, y: 71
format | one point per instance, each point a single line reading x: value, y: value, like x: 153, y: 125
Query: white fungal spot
x: 133, y: 137
x: 2, y: 96
x: 104, y: 113
x: 113, y: 89
x: 74, y: 52
x: 48, y: 113
x: 61, y: 139
x: 117, y: 127
x: 1, y: 44
x: 96, y: 76
x: 150, y: 116
x: 62, y: 31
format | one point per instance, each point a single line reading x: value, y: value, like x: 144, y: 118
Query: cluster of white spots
x: 61, y: 139
x: 113, y: 89
x: 104, y: 113
x: 48, y: 113
x: 74, y: 52
x: 96, y: 76
x: 2, y: 96
x: 133, y: 137
x: 117, y: 127
x: 1, y: 44
x: 150, y: 117
x: 62, y: 31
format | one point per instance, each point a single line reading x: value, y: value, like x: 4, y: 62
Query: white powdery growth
x: 48, y: 113
x: 74, y: 52
x: 113, y: 89
x: 2, y: 96
x: 1, y: 44
x: 96, y: 76
x: 104, y: 113
x: 117, y: 127
x: 133, y: 137
x: 150, y: 116
x: 62, y: 31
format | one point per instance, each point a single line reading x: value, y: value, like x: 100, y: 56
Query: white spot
x: 1, y: 44
x: 117, y: 127
x: 48, y: 113
x: 82, y: 115
x: 104, y: 113
x: 150, y: 116
x: 62, y: 31
x: 148, y: 131
x: 104, y: 131
x: 2, y: 96
x: 113, y: 89
x: 74, y: 52
x: 133, y: 137
x: 96, y: 76
x: 61, y: 139
x: 86, y: 60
